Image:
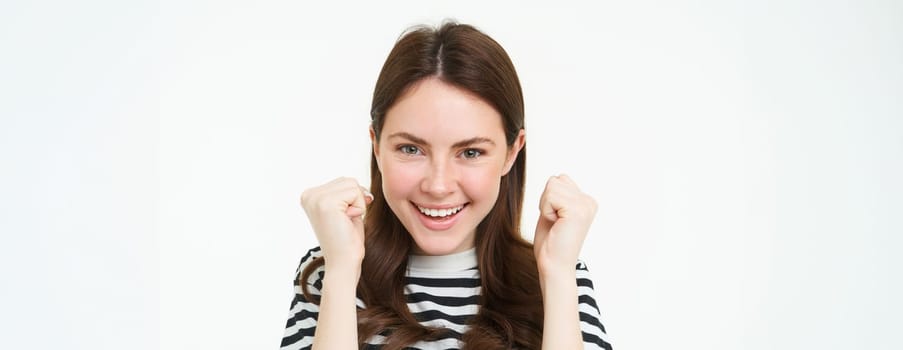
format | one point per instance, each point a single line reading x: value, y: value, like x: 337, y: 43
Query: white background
x: 746, y: 156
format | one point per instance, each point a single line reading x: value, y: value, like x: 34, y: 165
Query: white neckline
x: 465, y: 260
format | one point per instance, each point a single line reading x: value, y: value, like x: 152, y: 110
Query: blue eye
x: 471, y: 153
x: 409, y: 149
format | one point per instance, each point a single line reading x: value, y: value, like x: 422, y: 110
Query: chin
x: 439, y: 246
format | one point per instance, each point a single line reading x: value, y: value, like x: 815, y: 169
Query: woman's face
x: 442, y: 152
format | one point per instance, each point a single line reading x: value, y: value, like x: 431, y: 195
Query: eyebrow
x: 459, y: 144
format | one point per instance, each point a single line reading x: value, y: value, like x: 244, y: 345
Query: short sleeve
x: 591, y: 328
x: 302, y: 315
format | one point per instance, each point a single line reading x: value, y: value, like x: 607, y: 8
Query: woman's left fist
x: 565, y: 215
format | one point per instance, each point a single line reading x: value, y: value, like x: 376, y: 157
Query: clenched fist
x: 335, y: 210
x: 565, y: 215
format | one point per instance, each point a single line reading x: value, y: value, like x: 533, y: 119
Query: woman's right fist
x: 335, y: 211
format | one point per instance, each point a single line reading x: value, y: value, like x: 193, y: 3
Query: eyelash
x: 405, y: 148
x: 411, y: 150
x: 479, y: 153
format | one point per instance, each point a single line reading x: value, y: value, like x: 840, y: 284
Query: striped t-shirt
x: 442, y: 292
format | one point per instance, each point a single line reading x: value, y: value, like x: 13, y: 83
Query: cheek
x: 481, y: 183
x: 398, y: 179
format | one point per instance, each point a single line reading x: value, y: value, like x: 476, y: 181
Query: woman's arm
x: 561, y: 323
x: 565, y: 216
x: 337, y: 323
x: 335, y: 211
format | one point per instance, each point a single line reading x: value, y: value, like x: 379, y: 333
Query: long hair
x: 510, y: 313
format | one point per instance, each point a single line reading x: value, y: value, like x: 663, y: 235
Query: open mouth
x: 440, y: 214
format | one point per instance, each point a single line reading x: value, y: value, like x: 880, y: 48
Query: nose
x: 440, y: 179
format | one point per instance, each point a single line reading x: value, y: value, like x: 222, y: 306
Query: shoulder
x: 311, y: 255
x: 315, y: 280
x: 303, y: 314
x: 585, y: 287
x: 583, y: 274
x: 591, y: 326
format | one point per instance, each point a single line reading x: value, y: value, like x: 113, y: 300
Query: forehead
x: 437, y: 110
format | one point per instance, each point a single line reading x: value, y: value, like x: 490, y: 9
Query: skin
x: 444, y: 147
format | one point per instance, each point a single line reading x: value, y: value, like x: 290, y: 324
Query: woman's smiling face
x: 442, y: 152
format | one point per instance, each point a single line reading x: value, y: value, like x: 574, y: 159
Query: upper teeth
x: 439, y: 212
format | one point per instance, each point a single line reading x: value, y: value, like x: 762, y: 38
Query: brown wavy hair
x: 510, y: 313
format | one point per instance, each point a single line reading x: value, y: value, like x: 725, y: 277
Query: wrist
x: 558, y: 277
x: 342, y: 271
x: 557, y: 281
x: 548, y: 269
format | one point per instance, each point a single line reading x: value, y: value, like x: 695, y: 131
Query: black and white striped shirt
x: 441, y: 292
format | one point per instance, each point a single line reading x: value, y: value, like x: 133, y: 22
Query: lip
x: 438, y: 206
x: 438, y: 225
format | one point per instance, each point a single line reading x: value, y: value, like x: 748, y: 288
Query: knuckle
x: 592, y: 205
x: 320, y: 205
x: 305, y: 197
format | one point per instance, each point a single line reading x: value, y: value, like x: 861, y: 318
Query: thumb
x: 548, y: 211
x: 359, y: 204
x: 543, y: 225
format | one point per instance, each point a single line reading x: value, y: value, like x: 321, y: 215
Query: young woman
x: 438, y: 261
